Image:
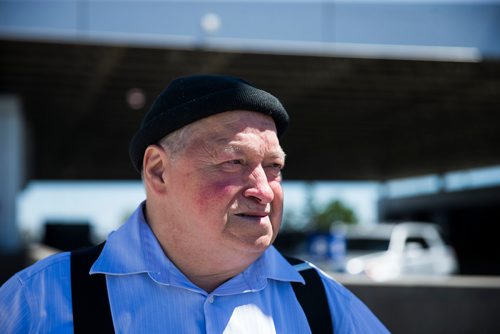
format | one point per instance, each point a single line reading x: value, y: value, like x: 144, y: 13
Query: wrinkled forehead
x: 226, y: 128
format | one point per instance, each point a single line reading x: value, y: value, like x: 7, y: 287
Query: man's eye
x: 232, y: 165
x: 274, y: 170
x: 277, y: 166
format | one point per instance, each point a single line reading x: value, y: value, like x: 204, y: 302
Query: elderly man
x: 196, y: 256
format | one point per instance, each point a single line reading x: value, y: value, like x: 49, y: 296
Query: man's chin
x: 262, y: 243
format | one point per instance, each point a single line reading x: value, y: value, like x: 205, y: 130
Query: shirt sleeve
x: 15, y: 312
x: 349, y: 314
x: 38, y: 298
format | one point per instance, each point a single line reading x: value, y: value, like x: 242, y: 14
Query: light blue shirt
x: 148, y: 294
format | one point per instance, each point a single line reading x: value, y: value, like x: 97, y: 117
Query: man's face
x: 224, y: 188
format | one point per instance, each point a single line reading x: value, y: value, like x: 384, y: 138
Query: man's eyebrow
x: 278, y: 154
x: 232, y: 148
x: 281, y: 155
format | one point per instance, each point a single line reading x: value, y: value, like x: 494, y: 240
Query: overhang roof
x: 352, y: 119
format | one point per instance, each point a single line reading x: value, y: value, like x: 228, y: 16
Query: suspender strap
x: 91, y: 312
x: 312, y: 298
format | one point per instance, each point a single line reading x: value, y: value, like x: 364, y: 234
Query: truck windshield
x: 367, y: 244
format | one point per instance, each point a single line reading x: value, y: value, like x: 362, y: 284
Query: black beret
x: 188, y: 99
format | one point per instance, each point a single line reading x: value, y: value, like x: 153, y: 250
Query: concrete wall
x: 456, y: 305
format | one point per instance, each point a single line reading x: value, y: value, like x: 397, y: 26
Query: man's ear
x: 154, y: 168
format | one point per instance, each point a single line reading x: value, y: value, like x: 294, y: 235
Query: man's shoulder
x: 44, y: 285
x: 56, y: 265
x: 332, y: 285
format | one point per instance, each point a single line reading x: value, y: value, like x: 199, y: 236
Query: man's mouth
x: 253, y: 215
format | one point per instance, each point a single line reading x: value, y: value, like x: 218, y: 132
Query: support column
x: 12, y: 170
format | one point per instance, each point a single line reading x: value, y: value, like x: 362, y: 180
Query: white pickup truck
x: 387, y: 251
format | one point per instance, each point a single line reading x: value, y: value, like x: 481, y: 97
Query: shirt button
x: 211, y: 299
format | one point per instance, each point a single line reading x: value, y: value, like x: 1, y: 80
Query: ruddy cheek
x: 214, y: 194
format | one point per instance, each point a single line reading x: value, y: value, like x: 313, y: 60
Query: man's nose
x: 259, y: 187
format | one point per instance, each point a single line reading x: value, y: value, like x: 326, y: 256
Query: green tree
x: 334, y: 212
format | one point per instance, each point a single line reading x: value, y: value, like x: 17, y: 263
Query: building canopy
x: 351, y: 118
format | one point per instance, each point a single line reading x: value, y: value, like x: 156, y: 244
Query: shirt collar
x: 128, y: 250
x: 269, y: 266
x: 134, y: 249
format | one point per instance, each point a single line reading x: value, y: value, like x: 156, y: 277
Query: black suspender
x: 91, y: 312
x: 312, y: 298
